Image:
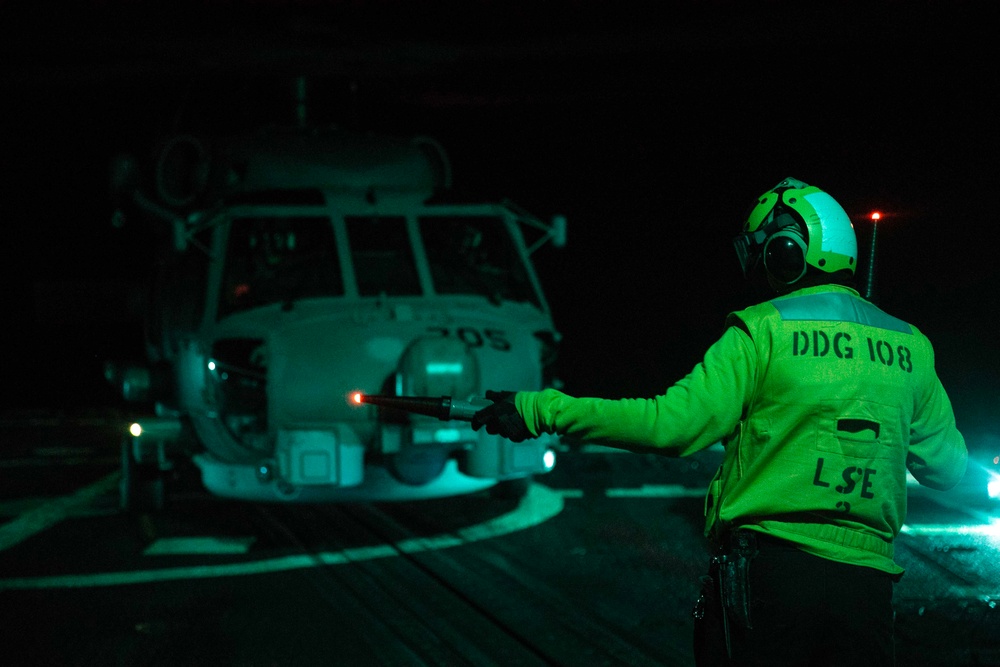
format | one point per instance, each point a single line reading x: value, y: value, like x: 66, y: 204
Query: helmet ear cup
x: 785, y: 256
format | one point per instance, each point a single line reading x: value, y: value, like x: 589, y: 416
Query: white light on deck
x: 549, y: 459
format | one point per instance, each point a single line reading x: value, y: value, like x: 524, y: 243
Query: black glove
x: 502, y: 418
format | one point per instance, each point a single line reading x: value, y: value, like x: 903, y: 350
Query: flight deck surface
x: 597, y: 564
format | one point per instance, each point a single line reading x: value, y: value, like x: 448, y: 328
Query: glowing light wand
x: 444, y: 408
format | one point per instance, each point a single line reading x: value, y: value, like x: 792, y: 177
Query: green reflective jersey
x: 822, y: 402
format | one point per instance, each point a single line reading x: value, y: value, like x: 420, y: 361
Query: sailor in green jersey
x: 822, y: 402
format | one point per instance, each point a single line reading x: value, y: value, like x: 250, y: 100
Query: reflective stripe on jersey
x: 838, y: 307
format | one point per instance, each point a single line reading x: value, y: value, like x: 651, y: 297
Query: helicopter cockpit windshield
x: 382, y: 256
x: 475, y: 255
x: 279, y: 260
x: 282, y: 259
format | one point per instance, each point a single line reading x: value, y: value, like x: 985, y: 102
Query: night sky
x: 651, y: 126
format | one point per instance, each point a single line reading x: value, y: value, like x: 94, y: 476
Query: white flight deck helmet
x: 795, y: 226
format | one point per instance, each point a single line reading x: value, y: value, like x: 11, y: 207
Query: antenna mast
x: 870, y: 282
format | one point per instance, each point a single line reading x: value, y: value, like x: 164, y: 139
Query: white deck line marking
x: 18, y: 506
x: 209, y: 544
x: 569, y: 493
x: 38, y: 519
x: 601, y: 449
x: 539, y: 505
x: 656, y: 491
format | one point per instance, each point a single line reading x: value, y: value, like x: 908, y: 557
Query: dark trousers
x: 804, y: 610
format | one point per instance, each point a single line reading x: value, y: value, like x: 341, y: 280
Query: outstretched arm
x: 695, y: 413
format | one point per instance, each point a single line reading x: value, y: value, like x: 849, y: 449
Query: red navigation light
x: 357, y: 397
x: 876, y: 216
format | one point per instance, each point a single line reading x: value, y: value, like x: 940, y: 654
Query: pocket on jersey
x: 859, y: 429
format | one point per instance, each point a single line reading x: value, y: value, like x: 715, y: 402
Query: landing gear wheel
x: 416, y: 466
x: 142, y: 488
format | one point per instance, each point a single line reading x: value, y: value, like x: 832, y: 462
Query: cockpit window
x: 382, y: 255
x: 475, y: 255
x: 274, y: 259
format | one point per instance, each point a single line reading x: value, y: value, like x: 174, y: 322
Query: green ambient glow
x: 991, y: 529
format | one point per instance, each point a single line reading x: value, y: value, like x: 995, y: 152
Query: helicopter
x: 298, y: 264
